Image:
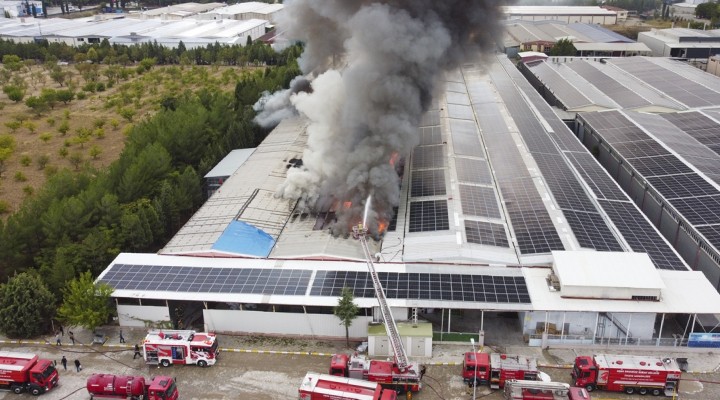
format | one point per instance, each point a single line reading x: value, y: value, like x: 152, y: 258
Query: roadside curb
x: 293, y: 353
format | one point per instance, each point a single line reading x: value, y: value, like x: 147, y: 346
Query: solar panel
x: 455, y: 87
x: 466, y: 141
x: 427, y: 183
x: 569, y: 95
x: 699, y: 210
x: 428, y: 157
x: 428, y: 216
x: 456, y: 111
x: 208, y: 280
x: 699, y: 127
x: 479, y: 201
x: 591, y: 231
x: 473, y: 171
x: 625, y: 97
x: 430, y: 118
x: 711, y: 233
x: 643, y: 148
x: 457, y: 98
x: 531, y: 224
x: 659, y: 165
x: 430, y: 135
x: 480, y: 232
x: 685, y: 185
x: 566, y: 190
x: 641, y: 235
x: 425, y: 286
x: 601, y: 184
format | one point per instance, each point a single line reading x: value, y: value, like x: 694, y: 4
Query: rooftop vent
x: 553, y: 282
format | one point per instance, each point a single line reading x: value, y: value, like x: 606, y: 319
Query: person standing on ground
x: 64, y: 362
x: 122, y: 339
x: 78, y: 367
x: 58, y: 342
x: 71, y: 336
x: 137, y: 352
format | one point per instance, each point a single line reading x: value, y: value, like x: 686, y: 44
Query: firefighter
x: 137, y: 352
x: 64, y: 363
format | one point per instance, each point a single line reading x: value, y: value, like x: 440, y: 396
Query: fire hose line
x: 102, y: 353
x: 701, y: 381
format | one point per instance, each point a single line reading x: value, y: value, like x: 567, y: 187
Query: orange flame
x: 382, y: 226
x: 394, y: 157
x: 347, y: 204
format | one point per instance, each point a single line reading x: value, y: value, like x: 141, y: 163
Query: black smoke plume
x: 376, y: 66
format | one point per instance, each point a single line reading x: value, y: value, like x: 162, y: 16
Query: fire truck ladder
x: 360, y: 233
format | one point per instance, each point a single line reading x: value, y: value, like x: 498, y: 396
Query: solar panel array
x: 425, y: 286
x: 208, y: 280
x: 581, y: 213
x: 618, y: 92
x: 428, y: 191
x: 685, y: 91
x: 568, y: 94
x: 295, y: 282
x: 481, y: 214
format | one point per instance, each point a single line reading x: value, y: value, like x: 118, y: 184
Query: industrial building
x: 128, y: 31
x: 693, y: 44
x: 244, y: 11
x: 568, y: 14
x: 659, y: 138
x: 588, y: 39
x: 503, y: 211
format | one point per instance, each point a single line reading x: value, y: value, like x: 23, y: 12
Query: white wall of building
x: 143, y: 316
x: 278, y: 323
x: 415, y: 346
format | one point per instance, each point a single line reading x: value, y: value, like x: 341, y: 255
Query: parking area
x: 268, y: 376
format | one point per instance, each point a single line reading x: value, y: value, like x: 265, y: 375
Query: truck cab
x: 162, y: 388
x: 584, y: 373
x: 476, y: 368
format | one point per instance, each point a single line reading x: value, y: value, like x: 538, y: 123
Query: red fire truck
x: 385, y: 373
x: 629, y: 374
x: 536, y: 390
x: 104, y: 386
x: 495, y: 369
x: 167, y: 347
x: 22, y: 372
x: 328, y: 387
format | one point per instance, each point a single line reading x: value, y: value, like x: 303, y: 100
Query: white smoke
x: 274, y: 107
x: 377, y: 65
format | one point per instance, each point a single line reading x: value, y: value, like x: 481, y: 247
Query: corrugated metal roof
x: 557, y: 10
x: 230, y: 163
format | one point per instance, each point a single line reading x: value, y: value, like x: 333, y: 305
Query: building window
x: 645, y: 298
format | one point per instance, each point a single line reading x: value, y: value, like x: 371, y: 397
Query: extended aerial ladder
x: 401, y: 360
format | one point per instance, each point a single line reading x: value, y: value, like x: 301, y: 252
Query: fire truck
x: 22, y: 372
x: 400, y: 375
x: 328, y: 387
x: 495, y: 369
x: 536, y: 390
x: 104, y: 386
x: 629, y: 374
x: 166, y: 347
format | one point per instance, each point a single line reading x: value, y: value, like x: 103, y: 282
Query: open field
x: 89, y: 130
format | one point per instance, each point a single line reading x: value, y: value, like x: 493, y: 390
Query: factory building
x: 504, y: 215
x: 693, y: 44
x: 128, y: 31
x: 658, y: 136
x: 588, y: 39
x: 567, y: 14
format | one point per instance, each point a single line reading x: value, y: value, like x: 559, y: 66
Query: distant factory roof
x: 557, y: 10
x: 640, y: 48
x: 252, y: 7
x: 230, y: 163
x: 183, y: 9
x: 552, y: 31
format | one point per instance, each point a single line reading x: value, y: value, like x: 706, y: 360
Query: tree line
x: 72, y: 228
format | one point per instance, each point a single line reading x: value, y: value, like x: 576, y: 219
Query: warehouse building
x: 693, y: 44
x: 588, y: 39
x: 659, y: 138
x: 244, y: 11
x: 567, y: 14
x: 128, y: 31
x: 502, y: 212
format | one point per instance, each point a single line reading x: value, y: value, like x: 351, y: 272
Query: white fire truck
x: 166, y: 347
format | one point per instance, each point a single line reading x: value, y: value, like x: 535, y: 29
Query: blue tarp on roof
x: 242, y: 238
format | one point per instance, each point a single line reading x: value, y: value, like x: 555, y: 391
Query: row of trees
x: 213, y: 54
x: 80, y: 220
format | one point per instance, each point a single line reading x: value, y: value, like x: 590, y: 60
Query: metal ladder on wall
x: 360, y: 233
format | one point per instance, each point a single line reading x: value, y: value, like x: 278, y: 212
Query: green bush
x: 25, y: 160
x: 4, y: 207
x: 20, y: 177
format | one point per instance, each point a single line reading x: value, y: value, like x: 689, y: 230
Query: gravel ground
x: 256, y: 376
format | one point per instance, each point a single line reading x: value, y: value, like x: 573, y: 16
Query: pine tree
x: 26, y: 306
x: 346, y: 311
